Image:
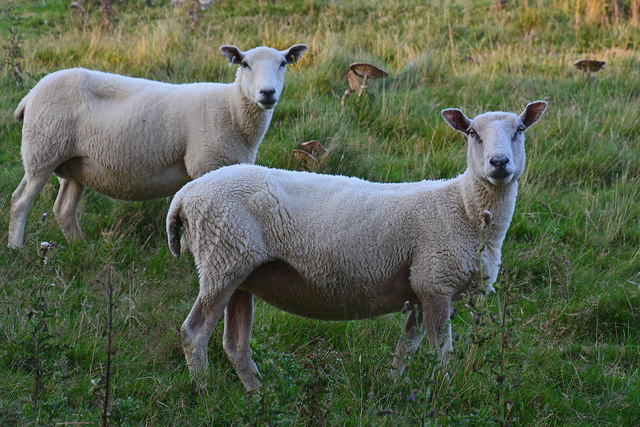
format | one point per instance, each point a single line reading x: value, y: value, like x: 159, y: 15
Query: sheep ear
x: 294, y: 53
x: 233, y: 54
x: 532, y: 112
x: 456, y: 119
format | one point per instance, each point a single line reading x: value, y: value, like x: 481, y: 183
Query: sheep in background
x: 136, y: 139
x: 337, y: 248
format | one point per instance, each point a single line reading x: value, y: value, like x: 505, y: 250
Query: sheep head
x: 496, y: 141
x: 261, y: 71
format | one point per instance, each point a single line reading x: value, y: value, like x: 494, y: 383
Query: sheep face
x: 261, y: 72
x: 496, y: 147
x: 496, y: 141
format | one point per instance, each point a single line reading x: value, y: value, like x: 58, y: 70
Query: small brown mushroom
x: 589, y: 66
x: 314, y: 148
x: 365, y: 71
x: 306, y: 158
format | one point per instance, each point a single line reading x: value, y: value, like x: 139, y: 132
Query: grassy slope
x: 569, y: 348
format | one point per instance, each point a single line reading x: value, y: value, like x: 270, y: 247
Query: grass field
x: 558, y: 344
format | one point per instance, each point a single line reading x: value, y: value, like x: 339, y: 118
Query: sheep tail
x: 174, y: 222
x: 19, y: 113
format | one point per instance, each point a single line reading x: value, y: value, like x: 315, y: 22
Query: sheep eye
x: 473, y: 134
x: 245, y: 65
x: 283, y: 64
x: 520, y: 129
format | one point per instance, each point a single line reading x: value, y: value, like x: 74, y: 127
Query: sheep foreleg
x: 409, y: 341
x: 437, y: 313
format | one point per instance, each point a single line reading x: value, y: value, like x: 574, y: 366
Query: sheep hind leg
x: 21, y: 203
x: 409, y: 342
x: 197, y: 328
x: 66, y: 208
x: 238, y: 318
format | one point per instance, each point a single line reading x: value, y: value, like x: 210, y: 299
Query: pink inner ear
x: 533, y: 112
x: 456, y: 119
x: 294, y: 53
x: 233, y: 54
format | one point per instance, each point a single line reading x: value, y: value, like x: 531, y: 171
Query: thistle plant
x: 13, y: 52
x: 38, y: 347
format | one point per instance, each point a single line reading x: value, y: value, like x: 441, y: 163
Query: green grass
x: 564, y: 350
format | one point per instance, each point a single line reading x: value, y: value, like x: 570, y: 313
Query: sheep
x: 341, y: 248
x: 136, y: 139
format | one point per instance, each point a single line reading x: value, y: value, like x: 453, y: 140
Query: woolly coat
x: 333, y: 247
x: 132, y: 138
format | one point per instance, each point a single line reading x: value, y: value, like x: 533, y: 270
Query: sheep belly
x: 282, y: 286
x: 125, y: 185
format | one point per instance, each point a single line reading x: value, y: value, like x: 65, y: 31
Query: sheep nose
x: 267, y: 92
x: 499, y: 162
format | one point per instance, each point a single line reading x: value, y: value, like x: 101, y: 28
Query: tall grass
x: 565, y: 341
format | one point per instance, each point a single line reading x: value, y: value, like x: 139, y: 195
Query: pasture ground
x: 558, y: 344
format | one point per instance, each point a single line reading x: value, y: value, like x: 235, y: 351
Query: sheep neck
x: 479, y: 195
x: 251, y: 120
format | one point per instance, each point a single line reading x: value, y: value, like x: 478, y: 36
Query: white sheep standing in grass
x: 137, y: 139
x: 336, y: 248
